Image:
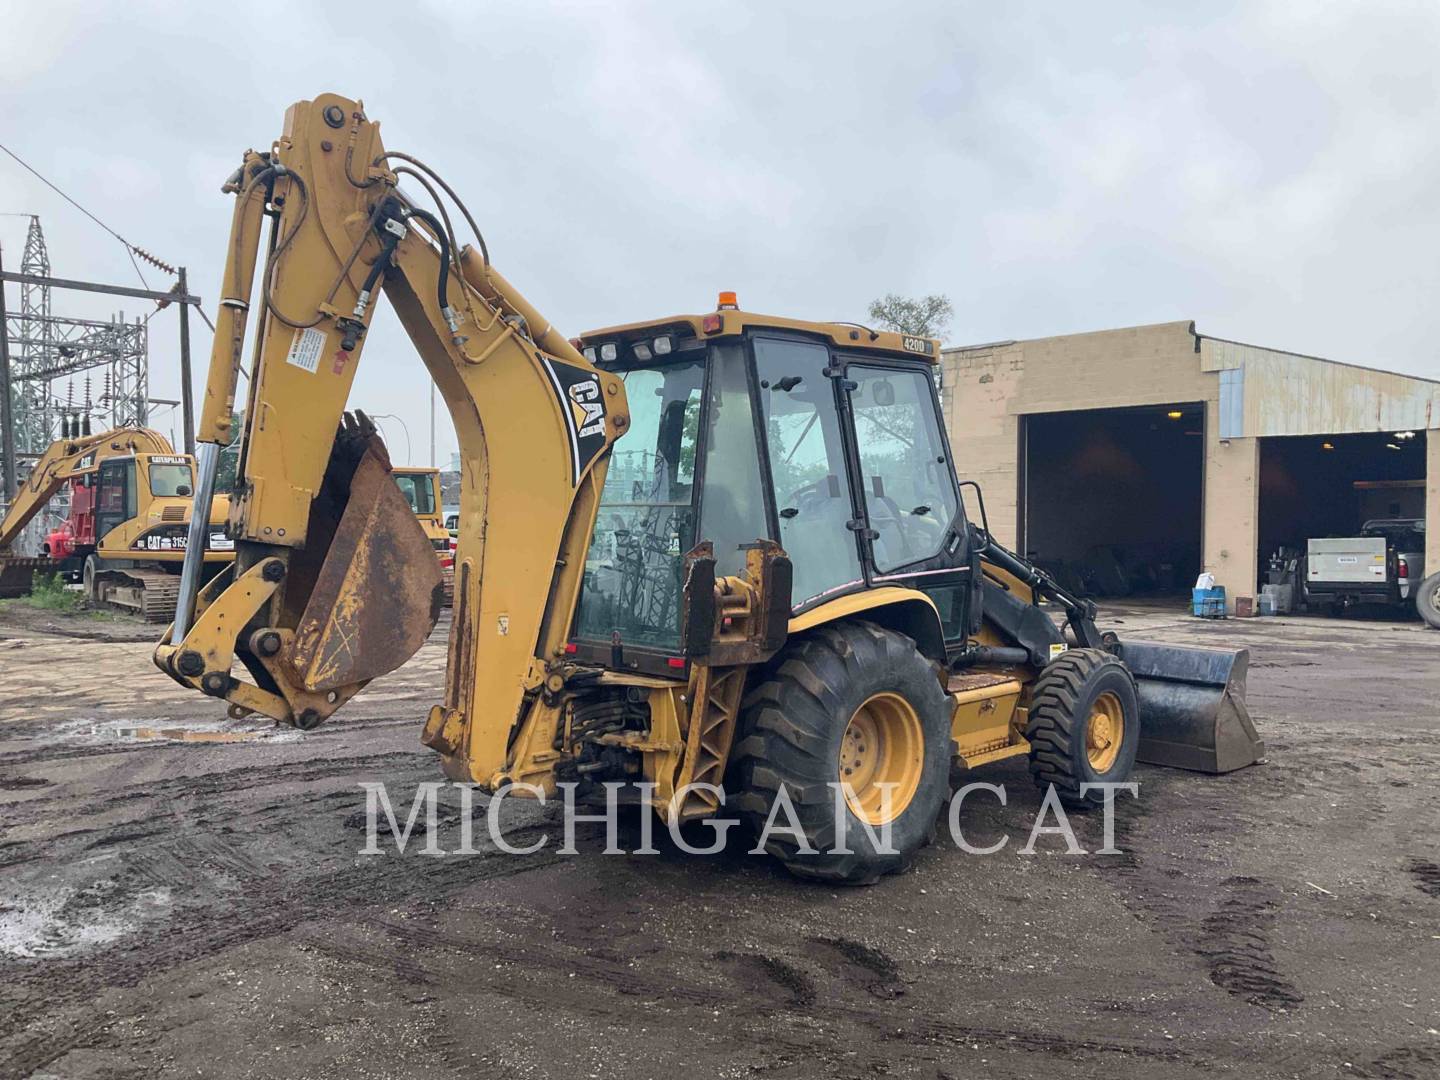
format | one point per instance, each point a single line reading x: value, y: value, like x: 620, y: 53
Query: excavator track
x: 149, y: 593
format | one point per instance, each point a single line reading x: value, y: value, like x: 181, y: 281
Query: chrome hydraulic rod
x: 207, y: 464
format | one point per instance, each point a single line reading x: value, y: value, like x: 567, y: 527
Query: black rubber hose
x: 443, y: 283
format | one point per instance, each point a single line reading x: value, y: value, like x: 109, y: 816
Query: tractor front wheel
x: 1084, y: 725
x: 853, y: 727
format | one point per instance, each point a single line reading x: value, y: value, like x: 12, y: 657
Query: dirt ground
x: 190, y: 907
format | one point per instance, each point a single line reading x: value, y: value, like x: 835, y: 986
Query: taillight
x: 1404, y: 570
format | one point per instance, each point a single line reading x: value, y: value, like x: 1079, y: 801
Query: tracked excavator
x: 129, y: 516
x: 725, y: 554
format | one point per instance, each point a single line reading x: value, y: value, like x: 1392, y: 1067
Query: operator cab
x: 826, y: 438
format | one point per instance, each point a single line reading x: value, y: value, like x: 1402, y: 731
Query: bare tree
x: 925, y: 316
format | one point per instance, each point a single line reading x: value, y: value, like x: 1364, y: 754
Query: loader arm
x: 65, y: 459
x: 334, y: 582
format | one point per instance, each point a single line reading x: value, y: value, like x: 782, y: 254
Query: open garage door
x: 1314, y: 486
x: 1111, y: 499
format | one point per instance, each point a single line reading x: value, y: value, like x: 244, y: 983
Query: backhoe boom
x: 334, y: 581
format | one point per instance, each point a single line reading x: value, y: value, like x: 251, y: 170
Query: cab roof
x: 731, y: 322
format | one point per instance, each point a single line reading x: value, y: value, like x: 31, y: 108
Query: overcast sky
x: 1268, y: 169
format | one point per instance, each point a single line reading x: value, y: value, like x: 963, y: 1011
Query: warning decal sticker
x: 305, y: 350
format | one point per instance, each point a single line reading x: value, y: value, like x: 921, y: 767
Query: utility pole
x: 7, y: 412
x: 186, y: 394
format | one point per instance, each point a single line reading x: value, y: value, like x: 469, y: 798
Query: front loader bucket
x: 17, y: 572
x: 1192, y: 706
x: 377, y: 594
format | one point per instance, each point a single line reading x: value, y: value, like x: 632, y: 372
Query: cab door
x: 115, y: 496
x: 915, y: 533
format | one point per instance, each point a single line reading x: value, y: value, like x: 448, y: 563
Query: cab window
x: 167, y: 480
x: 646, y: 520
x: 909, y: 494
x: 418, y: 491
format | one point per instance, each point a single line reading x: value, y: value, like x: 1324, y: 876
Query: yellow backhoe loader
x: 129, y: 515
x: 723, y: 554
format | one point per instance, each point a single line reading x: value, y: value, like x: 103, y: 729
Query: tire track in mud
x: 1235, y: 945
x: 1232, y: 941
x: 873, y: 971
x: 231, y: 785
x: 558, y: 968
x: 1426, y: 875
x: 758, y: 969
x: 1402, y: 1063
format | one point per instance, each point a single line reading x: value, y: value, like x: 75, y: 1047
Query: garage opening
x: 1315, y: 486
x: 1111, y: 499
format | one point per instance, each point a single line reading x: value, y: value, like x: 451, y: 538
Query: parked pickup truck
x: 1380, y: 566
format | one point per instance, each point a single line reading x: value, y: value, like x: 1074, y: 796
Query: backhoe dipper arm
x: 65, y: 459
x: 334, y: 582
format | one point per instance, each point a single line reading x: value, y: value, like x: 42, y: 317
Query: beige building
x: 1169, y: 451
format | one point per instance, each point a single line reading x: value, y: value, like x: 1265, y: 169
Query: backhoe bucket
x: 17, y: 572
x: 1192, y: 707
x: 377, y: 594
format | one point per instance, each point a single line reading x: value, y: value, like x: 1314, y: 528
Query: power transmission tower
x: 45, y: 347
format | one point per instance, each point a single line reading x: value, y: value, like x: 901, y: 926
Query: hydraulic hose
x: 443, y: 282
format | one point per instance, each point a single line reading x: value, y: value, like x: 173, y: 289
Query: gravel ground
x: 182, y: 895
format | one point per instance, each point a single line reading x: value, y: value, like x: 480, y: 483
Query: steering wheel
x: 892, y: 519
x: 806, y: 496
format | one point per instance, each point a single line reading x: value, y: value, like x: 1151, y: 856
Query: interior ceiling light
x: 1174, y: 414
x: 1404, y: 434
x: 1327, y: 446
x: 1392, y: 446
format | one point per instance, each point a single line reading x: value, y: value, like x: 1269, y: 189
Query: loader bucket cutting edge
x: 1192, y: 707
x: 17, y: 572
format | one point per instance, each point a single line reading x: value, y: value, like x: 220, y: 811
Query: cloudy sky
x: 1268, y: 169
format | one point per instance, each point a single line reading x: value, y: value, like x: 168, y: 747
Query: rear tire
x: 856, y: 703
x: 1079, y: 701
x: 1427, y: 601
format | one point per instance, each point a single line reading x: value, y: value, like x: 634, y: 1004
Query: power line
x: 130, y: 249
x: 36, y: 173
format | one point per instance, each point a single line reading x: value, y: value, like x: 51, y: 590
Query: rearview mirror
x: 884, y: 392
x: 183, y: 490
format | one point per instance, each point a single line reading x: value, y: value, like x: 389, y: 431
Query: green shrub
x: 48, y: 591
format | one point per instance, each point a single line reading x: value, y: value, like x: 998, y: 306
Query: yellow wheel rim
x: 1104, y: 732
x: 883, y: 749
